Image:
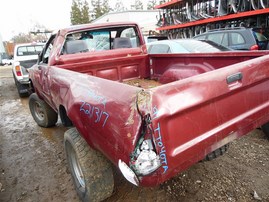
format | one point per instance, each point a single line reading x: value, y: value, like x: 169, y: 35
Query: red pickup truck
x: 152, y: 116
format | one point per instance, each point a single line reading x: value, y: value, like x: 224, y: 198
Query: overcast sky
x: 18, y: 16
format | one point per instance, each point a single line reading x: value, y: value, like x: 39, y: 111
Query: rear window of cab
x: 29, y: 50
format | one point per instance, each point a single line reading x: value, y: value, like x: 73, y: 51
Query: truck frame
x: 152, y: 116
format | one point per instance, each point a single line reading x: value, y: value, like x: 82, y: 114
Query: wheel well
x: 64, y: 118
x: 32, y: 88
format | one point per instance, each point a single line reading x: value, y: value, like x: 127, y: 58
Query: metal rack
x: 186, y: 18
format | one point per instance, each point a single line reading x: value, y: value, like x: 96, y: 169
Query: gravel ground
x: 33, y: 165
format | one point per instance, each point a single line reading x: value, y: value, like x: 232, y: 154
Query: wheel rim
x: 39, y: 111
x: 75, y: 166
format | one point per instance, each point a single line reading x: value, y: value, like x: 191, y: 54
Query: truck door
x: 43, y: 68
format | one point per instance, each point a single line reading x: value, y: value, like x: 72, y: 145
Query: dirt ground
x: 33, y: 165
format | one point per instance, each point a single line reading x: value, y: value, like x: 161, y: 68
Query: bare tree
x: 151, y: 4
x: 22, y: 38
x: 138, y: 5
x: 119, y: 6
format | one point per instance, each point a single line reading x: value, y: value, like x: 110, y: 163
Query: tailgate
x: 195, y: 116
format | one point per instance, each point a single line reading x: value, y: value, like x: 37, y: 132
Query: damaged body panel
x: 195, y: 116
x: 150, y: 130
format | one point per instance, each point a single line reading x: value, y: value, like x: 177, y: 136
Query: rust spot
x: 131, y: 117
x: 144, y: 101
x: 143, y: 83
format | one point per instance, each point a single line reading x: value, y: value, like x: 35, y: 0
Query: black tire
x: 64, y: 118
x: 92, y: 173
x: 22, y: 87
x: 265, y: 129
x: 218, y: 152
x: 42, y: 113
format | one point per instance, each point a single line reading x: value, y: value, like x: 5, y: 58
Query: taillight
x: 144, y: 159
x: 254, y: 47
x: 18, y: 70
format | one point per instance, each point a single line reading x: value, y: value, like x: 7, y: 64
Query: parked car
x: 25, y: 56
x: 237, y: 38
x: 5, y: 59
x: 184, y: 46
x: 152, y: 38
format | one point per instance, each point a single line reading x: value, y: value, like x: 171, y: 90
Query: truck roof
x: 29, y: 44
x: 97, y: 25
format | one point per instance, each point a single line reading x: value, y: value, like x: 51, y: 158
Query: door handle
x: 234, y: 77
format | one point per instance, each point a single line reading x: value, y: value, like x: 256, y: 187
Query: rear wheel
x: 42, y: 113
x: 218, y: 152
x: 92, y: 173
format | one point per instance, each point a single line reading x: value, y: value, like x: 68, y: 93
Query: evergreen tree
x: 138, y: 5
x: 97, y: 8
x: 79, y: 12
x: 85, y: 13
x: 151, y: 4
x: 75, y: 13
x: 100, y: 7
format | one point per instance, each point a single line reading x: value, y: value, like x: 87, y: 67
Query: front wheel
x: 42, y: 113
x: 92, y: 173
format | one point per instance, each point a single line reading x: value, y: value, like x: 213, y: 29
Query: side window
x: 48, y: 48
x: 217, y: 38
x: 225, y: 40
x: 237, y: 38
x: 132, y: 35
x: 201, y: 37
x: 260, y: 37
x: 159, y: 49
x: 47, y: 53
